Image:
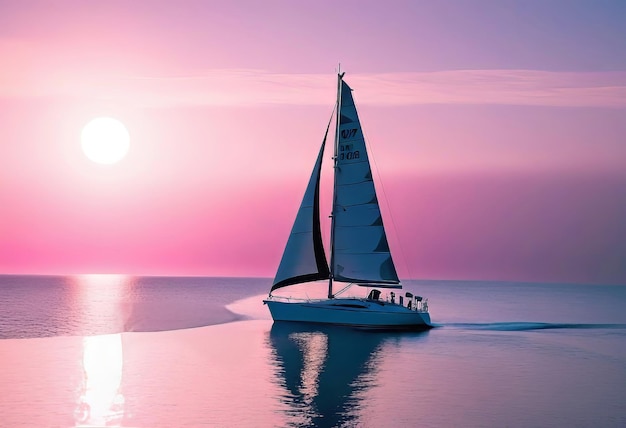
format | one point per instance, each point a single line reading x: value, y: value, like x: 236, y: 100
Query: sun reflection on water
x: 100, y: 400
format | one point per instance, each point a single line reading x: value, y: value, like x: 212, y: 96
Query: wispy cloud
x: 255, y: 87
x: 513, y: 87
x: 28, y: 76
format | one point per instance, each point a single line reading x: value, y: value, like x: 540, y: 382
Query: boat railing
x: 417, y: 303
x: 290, y: 299
x: 413, y: 302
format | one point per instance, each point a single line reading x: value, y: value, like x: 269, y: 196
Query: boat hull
x: 364, y: 313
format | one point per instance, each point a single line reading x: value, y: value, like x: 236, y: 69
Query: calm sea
x: 503, y: 354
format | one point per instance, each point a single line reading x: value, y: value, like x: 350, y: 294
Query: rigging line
x: 386, y: 200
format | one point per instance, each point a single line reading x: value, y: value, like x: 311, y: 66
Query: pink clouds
x: 36, y: 70
x: 503, y: 87
x: 167, y: 87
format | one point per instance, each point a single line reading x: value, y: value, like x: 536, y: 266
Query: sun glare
x: 105, y: 140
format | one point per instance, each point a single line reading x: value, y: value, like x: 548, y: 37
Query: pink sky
x: 498, y: 130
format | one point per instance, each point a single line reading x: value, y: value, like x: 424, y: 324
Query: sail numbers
x: 348, y: 133
x: 347, y: 152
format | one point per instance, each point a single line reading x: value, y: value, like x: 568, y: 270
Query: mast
x: 332, y: 212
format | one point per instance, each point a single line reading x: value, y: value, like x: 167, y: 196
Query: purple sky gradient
x: 498, y: 130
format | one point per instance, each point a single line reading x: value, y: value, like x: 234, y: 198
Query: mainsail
x: 360, y: 249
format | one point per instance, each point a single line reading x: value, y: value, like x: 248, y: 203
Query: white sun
x: 105, y: 140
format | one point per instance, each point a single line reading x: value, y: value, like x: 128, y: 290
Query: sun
x: 105, y: 140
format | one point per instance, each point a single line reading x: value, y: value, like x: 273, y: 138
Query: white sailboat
x: 359, y: 252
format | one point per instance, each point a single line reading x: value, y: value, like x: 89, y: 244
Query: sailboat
x: 359, y: 251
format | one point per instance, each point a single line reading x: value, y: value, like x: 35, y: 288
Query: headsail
x: 304, y: 259
x: 361, y: 252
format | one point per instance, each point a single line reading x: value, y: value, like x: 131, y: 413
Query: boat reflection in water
x: 326, y: 370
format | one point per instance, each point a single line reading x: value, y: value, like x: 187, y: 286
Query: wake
x: 530, y: 326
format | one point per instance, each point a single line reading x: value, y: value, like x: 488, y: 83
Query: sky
x: 498, y: 130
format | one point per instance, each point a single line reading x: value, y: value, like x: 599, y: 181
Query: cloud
x: 31, y: 73
x: 508, y: 87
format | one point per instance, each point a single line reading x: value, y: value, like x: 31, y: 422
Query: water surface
x: 161, y: 352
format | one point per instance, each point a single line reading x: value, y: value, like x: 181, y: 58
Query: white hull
x: 351, y: 312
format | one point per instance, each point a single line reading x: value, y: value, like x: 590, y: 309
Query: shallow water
x: 504, y: 354
x: 44, y: 306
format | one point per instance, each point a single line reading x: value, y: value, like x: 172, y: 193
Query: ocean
x: 112, y: 350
